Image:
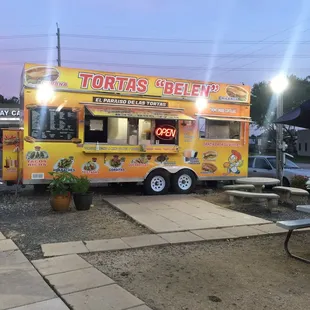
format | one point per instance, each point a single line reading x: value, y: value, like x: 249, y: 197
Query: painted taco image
x: 76, y: 140
x: 210, y: 155
x: 208, y: 167
x: 31, y: 106
x: 237, y: 92
x: 30, y: 139
x: 39, y: 74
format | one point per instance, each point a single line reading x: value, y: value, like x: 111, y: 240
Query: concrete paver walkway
x: 84, y: 287
x: 21, y: 286
x: 171, y: 213
x: 58, y: 249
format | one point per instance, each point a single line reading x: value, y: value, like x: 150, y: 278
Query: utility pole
x: 278, y: 85
x: 279, y: 150
x: 58, y: 46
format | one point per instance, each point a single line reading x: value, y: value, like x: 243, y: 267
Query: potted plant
x: 81, y: 196
x: 60, y: 190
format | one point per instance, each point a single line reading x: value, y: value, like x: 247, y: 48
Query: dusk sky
x: 248, y: 41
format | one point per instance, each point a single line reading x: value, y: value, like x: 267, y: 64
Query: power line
x: 171, y: 67
x: 150, y: 53
x: 174, y: 54
x: 267, y: 38
x: 25, y: 49
x: 252, y: 62
x: 174, y: 40
x: 108, y: 64
x: 26, y: 36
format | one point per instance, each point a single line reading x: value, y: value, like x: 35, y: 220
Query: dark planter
x: 82, y: 201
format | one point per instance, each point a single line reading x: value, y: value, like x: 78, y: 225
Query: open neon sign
x: 165, y: 132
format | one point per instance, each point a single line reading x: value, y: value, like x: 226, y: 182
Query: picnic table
x: 305, y: 208
x: 258, y: 182
x: 291, y: 225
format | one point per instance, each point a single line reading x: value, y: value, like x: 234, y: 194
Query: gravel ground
x: 29, y: 221
x: 241, y: 274
x: 282, y: 212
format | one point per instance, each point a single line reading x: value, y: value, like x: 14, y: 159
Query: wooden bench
x: 291, y: 226
x: 236, y: 197
x: 244, y: 187
x: 291, y: 195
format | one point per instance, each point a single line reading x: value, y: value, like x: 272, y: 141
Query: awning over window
x: 229, y: 119
x: 137, y: 113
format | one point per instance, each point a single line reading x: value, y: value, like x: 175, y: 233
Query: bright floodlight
x: 45, y: 93
x: 279, y: 83
x: 201, y: 103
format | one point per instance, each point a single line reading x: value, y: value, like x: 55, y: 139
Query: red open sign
x: 165, y: 132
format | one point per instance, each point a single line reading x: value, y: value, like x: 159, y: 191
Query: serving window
x: 130, y: 131
x: 220, y: 128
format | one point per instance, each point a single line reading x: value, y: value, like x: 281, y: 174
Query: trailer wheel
x: 184, y: 181
x: 157, y: 183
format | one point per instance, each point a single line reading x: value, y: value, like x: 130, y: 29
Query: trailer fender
x: 170, y: 169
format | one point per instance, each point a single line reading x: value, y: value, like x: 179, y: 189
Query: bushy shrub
x: 299, y: 181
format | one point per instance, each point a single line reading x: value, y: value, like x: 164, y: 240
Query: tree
x: 263, y: 108
x: 264, y: 104
x: 9, y: 100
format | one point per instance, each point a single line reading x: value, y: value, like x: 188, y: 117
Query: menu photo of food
x: 91, y: 166
x: 115, y: 163
x: 208, y: 168
x: 190, y: 157
x: 37, y: 153
x: 10, y: 140
x: 141, y: 161
x: 209, y: 156
x: 37, y: 75
x: 161, y: 159
x: 64, y: 164
x: 237, y: 92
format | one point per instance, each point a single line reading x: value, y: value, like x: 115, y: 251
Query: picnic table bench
x: 291, y: 226
x: 291, y: 195
x: 236, y: 197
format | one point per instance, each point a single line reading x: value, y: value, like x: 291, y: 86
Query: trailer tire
x: 157, y: 183
x: 184, y: 181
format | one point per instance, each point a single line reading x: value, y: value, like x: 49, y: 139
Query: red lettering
x: 165, y: 132
x: 97, y: 81
x: 142, y: 85
x: 131, y: 85
x: 86, y: 77
x: 168, y: 88
x: 195, y: 90
x: 186, y: 90
x: 109, y: 82
x: 205, y: 91
x: 178, y: 88
x: 121, y: 82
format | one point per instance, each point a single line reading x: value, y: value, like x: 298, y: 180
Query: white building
x: 303, y: 142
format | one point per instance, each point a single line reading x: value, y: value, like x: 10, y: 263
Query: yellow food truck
x: 115, y: 127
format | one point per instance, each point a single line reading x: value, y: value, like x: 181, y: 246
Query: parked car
x: 265, y: 166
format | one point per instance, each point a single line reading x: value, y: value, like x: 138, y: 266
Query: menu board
x: 48, y: 123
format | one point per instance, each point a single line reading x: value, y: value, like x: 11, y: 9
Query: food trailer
x: 115, y: 127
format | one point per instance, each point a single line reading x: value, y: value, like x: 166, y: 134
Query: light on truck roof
x: 201, y: 103
x: 45, y: 93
